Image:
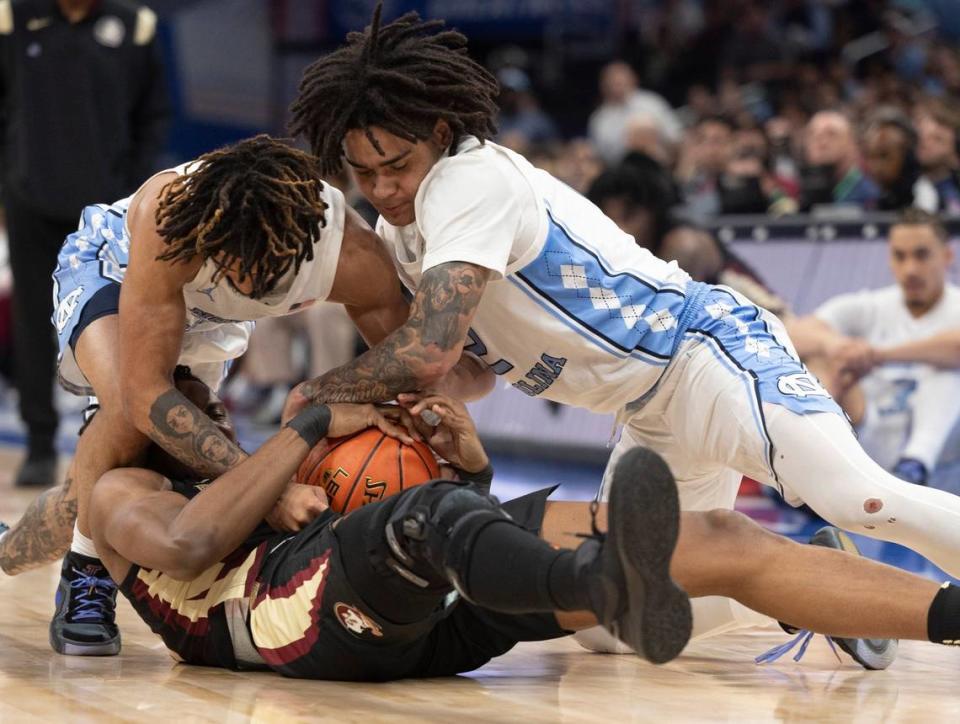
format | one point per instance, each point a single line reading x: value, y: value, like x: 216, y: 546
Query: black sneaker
x: 873, y: 654
x: 83, y: 624
x: 630, y: 586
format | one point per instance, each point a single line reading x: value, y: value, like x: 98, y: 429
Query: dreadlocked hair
x: 254, y: 207
x: 402, y: 77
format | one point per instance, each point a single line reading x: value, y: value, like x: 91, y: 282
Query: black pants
x: 35, y: 241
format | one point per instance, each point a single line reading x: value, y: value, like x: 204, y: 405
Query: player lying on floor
x: 367, y: 596
x: 340, y: 599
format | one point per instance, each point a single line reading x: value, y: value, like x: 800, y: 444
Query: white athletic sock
x: 819, y: 460
x: 82, y: 545
x: 714, y: 615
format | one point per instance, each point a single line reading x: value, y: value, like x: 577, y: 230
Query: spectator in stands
x: 748, y: 184
x: 521, y: 118
x: 703, y: 159
x: 890, y: 158
x: 870, y: 349
x: 643, y: 135
x: 621, y: 99
x: 578, y: 164
x: 939, y: 186
x: 833, y: 173
x: 700, y: 102
x: 780, y: 135
x: 638, y: 195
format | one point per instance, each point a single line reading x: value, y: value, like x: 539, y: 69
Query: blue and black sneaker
x: 872, y: 654
x: 83, y: 624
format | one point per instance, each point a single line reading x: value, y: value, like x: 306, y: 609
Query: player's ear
x: 442, y: 134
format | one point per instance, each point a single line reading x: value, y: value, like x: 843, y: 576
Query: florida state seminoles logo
x: 355, y: 621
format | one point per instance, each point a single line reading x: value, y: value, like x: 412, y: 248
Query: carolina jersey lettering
x: 543, y: 374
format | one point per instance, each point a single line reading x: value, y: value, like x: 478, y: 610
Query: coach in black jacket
x: 83, y: 114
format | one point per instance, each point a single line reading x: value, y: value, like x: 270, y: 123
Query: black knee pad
x: 431, y: 533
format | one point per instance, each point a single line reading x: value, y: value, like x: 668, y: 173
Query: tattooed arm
x: 44, y: 531
x: 418, y: 354
x: 152, y: 319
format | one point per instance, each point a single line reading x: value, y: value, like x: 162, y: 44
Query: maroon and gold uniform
x: 289, y: 603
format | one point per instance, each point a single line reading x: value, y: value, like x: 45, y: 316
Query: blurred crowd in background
x: 752, y: 107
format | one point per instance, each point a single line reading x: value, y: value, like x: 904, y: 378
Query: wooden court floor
x: 715, y: 680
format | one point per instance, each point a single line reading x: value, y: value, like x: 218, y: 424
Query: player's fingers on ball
x: 410, y: 423
x: 393, y: 430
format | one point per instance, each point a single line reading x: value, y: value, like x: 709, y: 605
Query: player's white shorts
x: 90, y: 267
x: 705, y: 416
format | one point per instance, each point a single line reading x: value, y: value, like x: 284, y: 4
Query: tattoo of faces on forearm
x: 439, y: 316
x: 189, y: 435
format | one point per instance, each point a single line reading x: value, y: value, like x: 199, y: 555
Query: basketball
x: 366, y: 467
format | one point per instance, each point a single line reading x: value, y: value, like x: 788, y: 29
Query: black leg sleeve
x: 453, y: 532
x: 511, y: 570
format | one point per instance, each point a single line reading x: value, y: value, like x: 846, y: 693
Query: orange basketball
x: 366, y: 467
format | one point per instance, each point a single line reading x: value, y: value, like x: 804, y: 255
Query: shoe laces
x: 96, y: 601
x: 803, y: 637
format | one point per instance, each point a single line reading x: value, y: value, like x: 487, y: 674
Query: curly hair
x: 402, y: 77
x: 255, y: 207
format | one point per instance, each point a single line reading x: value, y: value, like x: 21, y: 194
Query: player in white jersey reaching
x: 859, y: 346
x: 514, y: 266
x: 175, y: 274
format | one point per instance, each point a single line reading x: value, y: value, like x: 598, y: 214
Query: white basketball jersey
x: 881, y: 318
x: 574, y: 310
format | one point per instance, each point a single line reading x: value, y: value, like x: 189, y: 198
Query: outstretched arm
x: 418, y: 354
x: 137, y: 521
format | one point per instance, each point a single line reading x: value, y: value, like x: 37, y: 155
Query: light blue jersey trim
x: 625, y: 311
x: 660, y: 284
x: 573, y: 326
